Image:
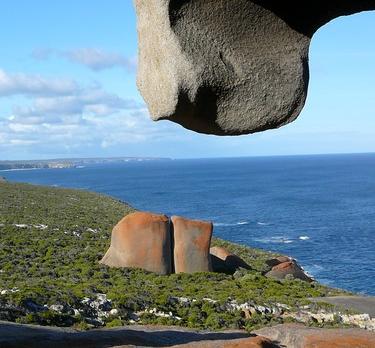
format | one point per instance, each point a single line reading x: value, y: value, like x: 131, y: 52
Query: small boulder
x: 2, y: 179
x: 289, y: 268
x: 141, y: 240
x: 277, y: 260
x: 192, y: 240
x: 224, y: 261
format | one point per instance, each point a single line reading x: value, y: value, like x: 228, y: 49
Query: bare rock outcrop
x: 179, y: 245
x: 158, y: 244
x: 192, y: 239
x: 282, y: 267
x: 251, y: 342
x: 141, y: 240
x: 229, y: 67
x: 277, y: 260
x: 299, y: 336
x: 223, y: 260
x: 14, y: 335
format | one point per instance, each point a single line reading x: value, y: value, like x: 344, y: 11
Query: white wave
x: 19, y: 169
x: 304, y: 237
x: 263, y: 240
x: 274, y: 239
x: 222, y: 224
x: 313, y: 269
x: 262, y: 223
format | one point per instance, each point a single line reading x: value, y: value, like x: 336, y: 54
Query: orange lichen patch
x: 340, y: 339
x: 220, y: 252
x: 282, y: 259
x: 251, y: 342
x: 280, y: 271
x: 192, y: 239
x: 284, y: 266
x: 141, y: 240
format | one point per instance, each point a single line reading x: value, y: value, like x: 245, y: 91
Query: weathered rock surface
x: 229, y: 67
x: 299, y: 336
x: 141, y: 240
x: 192, y: 240
x: 251, y: 342
x: 224, y: 261
x: 32, y: 336
x: 287, y: 268
x: 276, y: 261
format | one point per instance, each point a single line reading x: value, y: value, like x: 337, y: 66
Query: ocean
x: 318, y: 209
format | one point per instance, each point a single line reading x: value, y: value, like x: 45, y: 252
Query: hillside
x: 51, y: 240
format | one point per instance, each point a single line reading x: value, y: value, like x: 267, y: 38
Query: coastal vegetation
x: 51, y: 240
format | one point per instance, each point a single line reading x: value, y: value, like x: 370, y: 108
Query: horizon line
x: 187, y: 158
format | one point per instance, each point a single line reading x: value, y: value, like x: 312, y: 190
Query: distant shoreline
x: 70, y: 163
x: 24, y: 169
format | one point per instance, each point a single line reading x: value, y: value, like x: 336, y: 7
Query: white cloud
x: 98, y: 59
x: 77, y: 133
x: 72, y: 118
x: 34, y: 85
x: 54, y: 100
x: 87, y: 101
x: 63, y: 115
x: 95, y: 59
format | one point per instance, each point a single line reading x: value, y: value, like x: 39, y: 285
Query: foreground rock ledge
x: 229, y: 67
x: 287, y: 335
x: 299, y: 336
x: 33, y: 336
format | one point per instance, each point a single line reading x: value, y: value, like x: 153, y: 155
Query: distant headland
x: 71, y: 162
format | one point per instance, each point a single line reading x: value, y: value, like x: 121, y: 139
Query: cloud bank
x: 34, y: 85
x: 62, y: 115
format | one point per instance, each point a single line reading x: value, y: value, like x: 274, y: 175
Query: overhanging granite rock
x: 229, y: 67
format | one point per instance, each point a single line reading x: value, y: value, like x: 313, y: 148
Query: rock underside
x: 229, y: 67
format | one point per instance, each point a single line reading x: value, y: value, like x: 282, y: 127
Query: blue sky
x: 67, y: 89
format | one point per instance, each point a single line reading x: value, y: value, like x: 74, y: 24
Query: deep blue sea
x: 317, y: 209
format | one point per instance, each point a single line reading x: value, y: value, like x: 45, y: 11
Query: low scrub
x: 51, y: 240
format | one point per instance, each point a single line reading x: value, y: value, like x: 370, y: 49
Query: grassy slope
x: 59, y: 264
